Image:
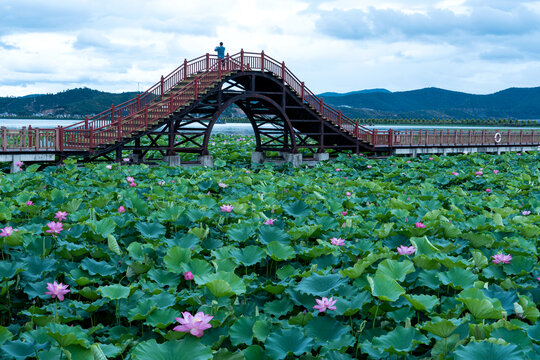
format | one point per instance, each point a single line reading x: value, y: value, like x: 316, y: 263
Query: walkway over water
x: 177, y: 115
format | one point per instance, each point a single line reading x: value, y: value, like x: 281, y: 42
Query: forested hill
x: 70, y: 102
x: 519, y: 103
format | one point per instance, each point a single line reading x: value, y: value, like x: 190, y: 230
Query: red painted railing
x: 190, y: 79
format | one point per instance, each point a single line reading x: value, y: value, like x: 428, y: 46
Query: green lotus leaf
x: 241, y: 332
x: 66, y: 335
x: 297, y: 209
x: 488, y: 350
x: 225, y: 284
x: 200, y: 269
x: 18, y: 350
x: 321, y: 285
x: 329, y: 333
x: 458, y: 278
x: 361, y: 265
x: 268, y: 234
x: 424, y: 246
x: 515, y: 337
x: 250, y: 255
x: 395, y: 269
x: 480, y: 306
x: 175, y: 259
x: 5, y: 335
x: 423, y: 302
x: 151, y: 230
x: 261, y: 329
x: 241, y: 232
x: 385, y: 288
x: 101, y: 268
x: 142, y: 310
x: 280, y: 343
x: 102, y: 227
x: 9, y: 269
x: 442, y: 328
x: 279, y: 252
x: 114, y: 292
x: 520, y: 265
x: 400, y: 341
x: 278, y: 307
x: 186, y: 349
x: 161, y: 318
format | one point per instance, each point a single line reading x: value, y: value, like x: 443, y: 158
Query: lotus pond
x: 397, y: 258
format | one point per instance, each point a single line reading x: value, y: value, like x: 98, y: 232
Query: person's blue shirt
x: 220, y: 51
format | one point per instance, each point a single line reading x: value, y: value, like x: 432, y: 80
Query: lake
x: 231, y: 128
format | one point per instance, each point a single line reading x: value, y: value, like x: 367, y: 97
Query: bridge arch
x: 280, y: 122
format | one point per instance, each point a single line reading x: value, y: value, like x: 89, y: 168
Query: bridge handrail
x: 179, y: 74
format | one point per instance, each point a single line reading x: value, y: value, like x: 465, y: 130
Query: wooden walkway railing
x: 185, y: 84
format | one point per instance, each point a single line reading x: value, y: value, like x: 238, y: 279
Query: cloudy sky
x: 476, y: 46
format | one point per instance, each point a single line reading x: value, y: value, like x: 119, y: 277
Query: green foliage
x: 260, y: 282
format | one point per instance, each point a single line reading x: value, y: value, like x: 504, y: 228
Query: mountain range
x: 517, y: 103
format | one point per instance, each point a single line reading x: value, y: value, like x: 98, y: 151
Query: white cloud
x: 468, y: 45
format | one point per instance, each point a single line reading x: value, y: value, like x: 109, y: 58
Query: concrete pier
x: 206, y: 160
x: 14, y: 158
x: 172, y: 160
x: 258, y: 157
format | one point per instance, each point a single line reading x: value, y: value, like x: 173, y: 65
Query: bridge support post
x: 14, y: 168
x: 206, y: 160
x: 258, y: 157
x: 294, y: 159
x: 324, y: 156
x: 172, y: 160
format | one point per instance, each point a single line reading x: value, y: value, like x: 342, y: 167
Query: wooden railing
x: 190, y: 79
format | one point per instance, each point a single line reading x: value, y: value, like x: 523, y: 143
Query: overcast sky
x: 476, y: 46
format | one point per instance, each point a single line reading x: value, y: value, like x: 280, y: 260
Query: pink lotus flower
x: 337, y: 241
x: 222, y: 185
x: 29, y: 203
x: 130, y: 179
x: 525, y: 212
x: 408, y: 161
x: 54, y: 227
x: 348, y: 193
x: 406, y: 250
x: 61, y: 215
x: 161, y: 182
x: 270, y: 221
x: 325, y: 304
x: 488, y: 190
x: 495, y: 172
x: 57, y: 290
x: 195, y: 325
x: 188, y: 275
x: 518, y: 154
x: 109, y: 166
x: 7, y: 231
x: 455, y: 173
x: 338, y: 169
x: 19, y: 164
x: 479, y: 173
x: 247, y: 171
x: 125, y: 159
x: 420, y: 225
x: 226, y: 208
x: 498, y: 258
x: 121, y: 209
x: 538, y: 278
x: 369, y: 166
x: 344, y: 213
x: 133, y: 184
x: 430, y: 158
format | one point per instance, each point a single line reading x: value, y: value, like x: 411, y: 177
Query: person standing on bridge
x: 220, y: 53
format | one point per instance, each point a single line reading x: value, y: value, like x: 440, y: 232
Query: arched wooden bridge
x: 177, y: 115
